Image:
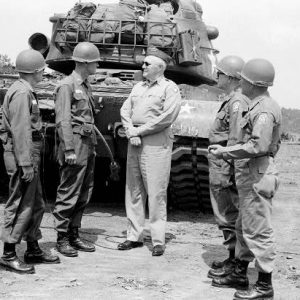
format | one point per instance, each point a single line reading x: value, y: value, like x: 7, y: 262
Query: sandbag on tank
x: 76, y: 23
x: 102, y: 25
x: 190, y: 9
x: 161, y: 31
x: 131, y: 11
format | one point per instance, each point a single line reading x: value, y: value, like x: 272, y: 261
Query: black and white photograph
x: 150, y: 149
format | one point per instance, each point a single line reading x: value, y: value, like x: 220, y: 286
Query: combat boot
x: 237, y: 279
x: 262, y: 289
x: 227, y: 269
x: 35, y: 255
x: 63, y: 246
x: 77, y: 243
x: 220, y: 264
x: 11, y: 262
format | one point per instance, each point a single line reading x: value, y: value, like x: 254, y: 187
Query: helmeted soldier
x: 256, y: 179
x: 22, y: 128
x: 74, y: 107
x: 147, y: 115
x: 223, y: 192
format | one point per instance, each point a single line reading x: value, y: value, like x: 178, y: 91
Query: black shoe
x: 237, y: 279
x: 258, y: 291
x: 78, y: 244
x: 40, y: 258
x: 63, y: 246
x: 15, y: 265
x: 262, y: 289
x: 231, y: 281
x: 227, y: 269
x: 35, y: 255
x: 158, y: 250
x: 127, y: 245
x: 220, y: 264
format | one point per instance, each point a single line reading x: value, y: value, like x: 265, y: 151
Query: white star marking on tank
x: 186, y: 108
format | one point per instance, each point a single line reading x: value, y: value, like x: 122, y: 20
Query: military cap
x: 158, y: 53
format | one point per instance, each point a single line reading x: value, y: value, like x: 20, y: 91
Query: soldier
x: 223, y: 192
x: 74, y: 107
x: 147, y: 115
x: 22, y: 126
x: 256, y: 180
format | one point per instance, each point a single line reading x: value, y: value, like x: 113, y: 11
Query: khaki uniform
x: 74, y: 108
x: 22, y: 140
x: 223, y: 191
x: 257, y: 180
x: 151, y: 108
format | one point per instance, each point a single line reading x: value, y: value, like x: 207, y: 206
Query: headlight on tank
x: 121, y: 132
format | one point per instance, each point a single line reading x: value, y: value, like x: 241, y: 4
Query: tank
x: 122, y: 32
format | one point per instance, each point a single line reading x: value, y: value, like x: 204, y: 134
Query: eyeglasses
x: 219, y: 73
x: 147, y: 64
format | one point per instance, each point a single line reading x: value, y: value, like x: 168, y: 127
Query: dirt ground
x: 193, y: 242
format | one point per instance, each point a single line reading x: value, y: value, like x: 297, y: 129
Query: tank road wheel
x: 189, y: 177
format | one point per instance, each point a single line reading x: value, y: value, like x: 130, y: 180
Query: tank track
x: 189, y: 176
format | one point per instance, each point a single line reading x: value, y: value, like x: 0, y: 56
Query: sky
x: 267, y: 29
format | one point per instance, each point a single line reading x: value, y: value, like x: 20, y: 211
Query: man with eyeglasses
x: 223, y: 191
x: 147, y: 115
x: 25, y: 207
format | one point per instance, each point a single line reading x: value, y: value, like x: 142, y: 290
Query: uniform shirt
x: 259, y: 130
x: 223, y: 130
x: 151, y: 106
x: 20, y: 118
x: 74, y: 106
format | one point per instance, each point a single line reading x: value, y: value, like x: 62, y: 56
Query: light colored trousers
x: 257, y: 181
x: 224, y: 198
x: 148, y: 172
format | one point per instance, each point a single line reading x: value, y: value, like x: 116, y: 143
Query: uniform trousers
x: 224, y: 199
x: 76, y: 184
x: 25, y: 207
x: 148, y: 172
x: 257, y: 181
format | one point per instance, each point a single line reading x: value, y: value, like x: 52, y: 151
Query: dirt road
x: 193, y: 242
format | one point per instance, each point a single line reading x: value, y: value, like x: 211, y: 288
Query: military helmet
x: 259, y: 72
x: 30, y: 61
x: 86, y: 52
x: 231, y: 66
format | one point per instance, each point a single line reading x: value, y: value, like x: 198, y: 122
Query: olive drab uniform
x: 152, y: 108
x: 22, y: 126
x: 74, y: 108
x: 223, y: 191
x: 257, y: 180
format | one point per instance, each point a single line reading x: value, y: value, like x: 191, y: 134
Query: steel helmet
x: 30, y: 61
x: 86, y: 52
x: 259, y: 72
x: 231, y: 66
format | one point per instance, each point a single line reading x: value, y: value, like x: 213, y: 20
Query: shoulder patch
x: 235, y: 106
x: 262, y: 118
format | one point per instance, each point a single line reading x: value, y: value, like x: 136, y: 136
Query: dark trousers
x: 76, y: 185
x: 25, y: 207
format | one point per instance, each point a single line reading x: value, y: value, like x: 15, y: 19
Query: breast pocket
x: 80, y: 101
x: 156, y: 102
